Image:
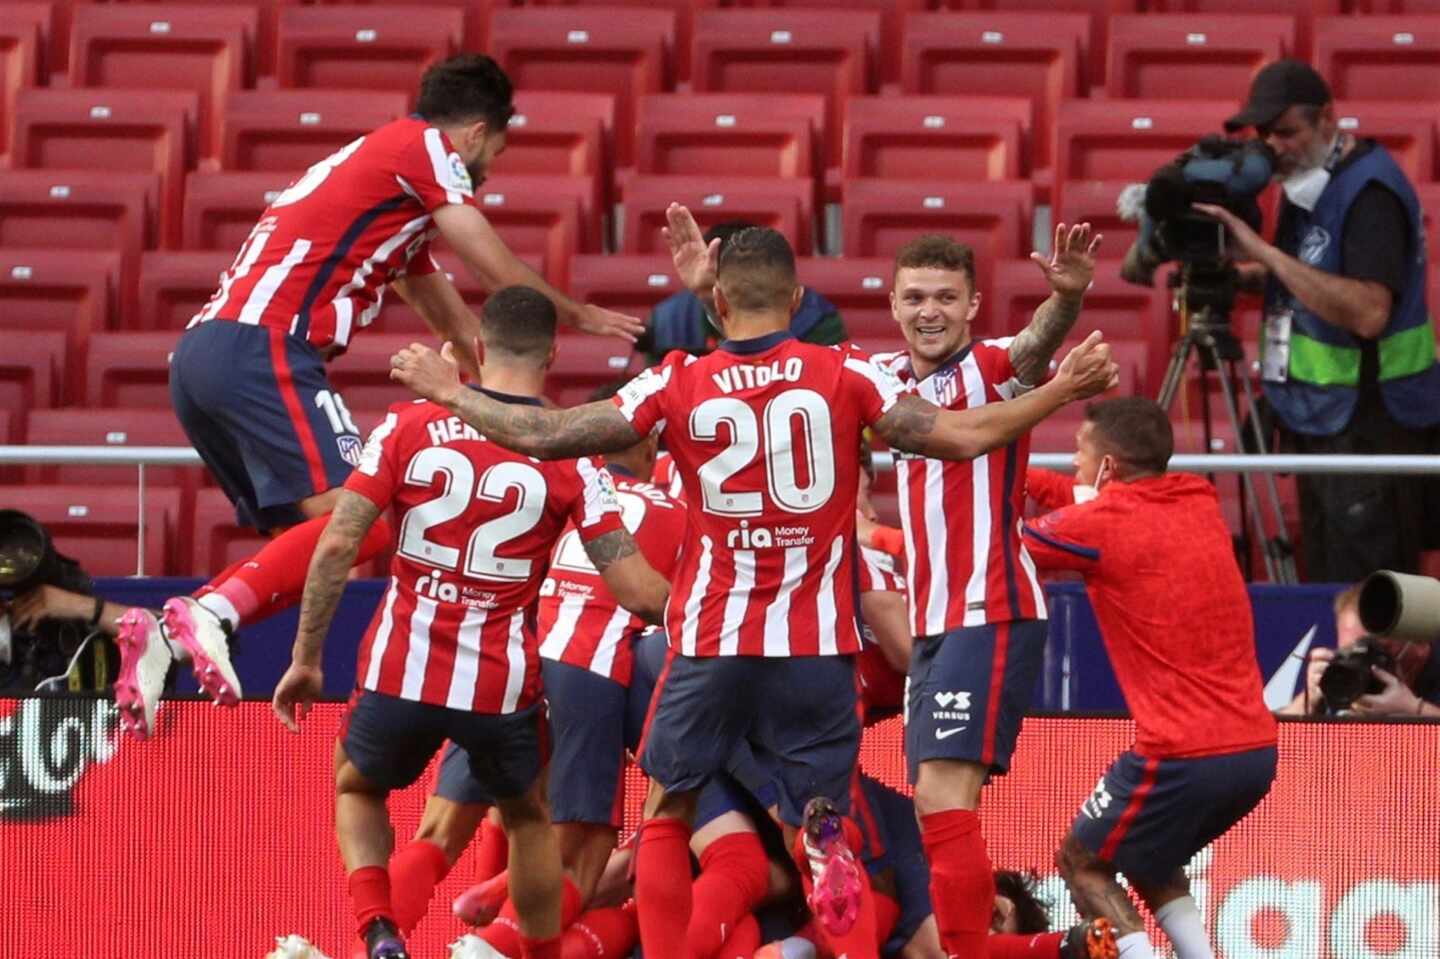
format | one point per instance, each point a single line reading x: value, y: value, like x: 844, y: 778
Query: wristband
x: 99, y: 611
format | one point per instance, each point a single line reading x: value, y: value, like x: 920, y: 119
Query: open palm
x: 1071, y: 266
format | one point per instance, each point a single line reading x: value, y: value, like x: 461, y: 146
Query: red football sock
x: 370, y: 893
x: 540, y: 948
x: 273, y: 578
x: 492, y: 852
x: 734, y: 874
x: 860, y: 942
x: 504, y: 933
x: 962, y: 883
x: 887, y: 914
x: 662, y: 862
x: 415, y: 871
x: 1044, y: 945
x: 602, y: 934
x: 743, y: 941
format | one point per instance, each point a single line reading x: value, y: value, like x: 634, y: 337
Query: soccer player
x: 1160, y: 570
x: 248, y: 376
x: 451, y: 653
x: 766, y: 434
x: 976, y: 607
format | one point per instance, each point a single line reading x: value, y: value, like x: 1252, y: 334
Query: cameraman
x: 1348, y: 353
x: 1412, y: 690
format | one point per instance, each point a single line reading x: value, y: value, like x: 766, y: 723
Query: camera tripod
x: 1204, y: 303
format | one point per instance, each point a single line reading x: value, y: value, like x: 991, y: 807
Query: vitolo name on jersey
x: 758, y: 376
x: 432, y: 586
x: 764, y: 537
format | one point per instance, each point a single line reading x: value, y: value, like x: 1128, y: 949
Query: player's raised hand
x: 599, y: 321
x: 1071, y: 266
x: 695, y: 260
x: 298, y: 688
x: 1087, y: 369
x: 434, y: 376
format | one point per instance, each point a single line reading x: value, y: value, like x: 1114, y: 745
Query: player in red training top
x: 248, y: 380
x: 976, y: 607
x: 1160, y: 569
x: 766, y: 435
x: 451, y: 653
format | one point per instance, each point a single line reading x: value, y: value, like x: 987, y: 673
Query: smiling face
x: 934, y: 307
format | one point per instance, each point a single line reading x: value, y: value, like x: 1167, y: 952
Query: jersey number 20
x: 793, y: 415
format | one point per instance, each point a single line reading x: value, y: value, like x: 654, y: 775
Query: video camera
x: 1223, y: 172
x: 1396, y: 606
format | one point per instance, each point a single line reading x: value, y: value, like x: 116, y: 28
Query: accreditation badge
x: 1275, y: 348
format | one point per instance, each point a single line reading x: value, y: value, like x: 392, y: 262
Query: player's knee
x: 525, y: 810
x: 944, y: 784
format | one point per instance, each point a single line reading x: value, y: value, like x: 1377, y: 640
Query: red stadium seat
x: 910, y: 138
x: 1184, y: 56
x: 544, y: 216
x: 1129, y: 139
x: 583, y: 364
x: 476, y: 15
x: 20, y: 58
x: 84, y: 427
x: 1408, y: 135
x: 892, y: 13
x: 364, y: 47
x: 561, y: 134
x: 1305, y: 12
x: 217, y: 539
x: 589, y: 50
x: 81, y: 210
x: 1093, y: 47
x: 684, y: 11
x: 56, y: 290
x: 829, y: 52
x: 166, y: 47
x: 629, y: 284
x: 129, y: 369
x: 781, y: 204
x: 999, y: 54
x: 859, y: 287
x: 1093, y: 202
x: 993, y: 218
x: 174, y: 285
x: 723, y: 135
x: 1380, y: 58
x: 100, y: 525
x: 289, y: 130
x: 222, y: 208
x: 396, y: 316
x: 141, y: 131
x: 32, y: 370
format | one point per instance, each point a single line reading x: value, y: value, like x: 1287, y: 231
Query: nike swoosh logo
x: 947, y: 733
x: 1281, y: 687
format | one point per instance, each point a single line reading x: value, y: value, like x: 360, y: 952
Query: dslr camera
x: 1219, y: 171
x: 1396, y: 606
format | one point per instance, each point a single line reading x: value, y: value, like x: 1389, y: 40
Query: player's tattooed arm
x: 917, y: 426
x: 535, y: 431
x: 1069, y: 271
x: 329, y: 568
x: 635, y: 583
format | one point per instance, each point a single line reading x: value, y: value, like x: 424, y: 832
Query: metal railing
x: 142, y: 456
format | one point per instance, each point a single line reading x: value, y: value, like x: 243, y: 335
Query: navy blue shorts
x: 800, y: 711
x: 1149, y: 817
x: 892, y: 842
x: 258, y: 408
x: 650, y: 652
x: 587, y: 743
x: 968, y: 690
x: 748, y: 785
x: 391, y: 741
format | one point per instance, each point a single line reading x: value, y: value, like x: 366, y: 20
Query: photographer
x: 1348, y: 353
x: 1175, y: 617
x: 1413, y: 689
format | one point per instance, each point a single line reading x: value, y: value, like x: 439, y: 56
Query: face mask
x: 1084, y: 493
x: 1303, y: 187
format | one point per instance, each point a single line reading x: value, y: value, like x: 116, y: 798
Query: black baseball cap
x: 1279, y: 86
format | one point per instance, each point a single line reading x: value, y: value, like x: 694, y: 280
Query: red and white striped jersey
x: 580, y: 622
x: 878, y: 572
x: 317, y: 262
x: 965, y: 562
x: 476, y: 526
x: 667, y: 477
x: 766, y: 437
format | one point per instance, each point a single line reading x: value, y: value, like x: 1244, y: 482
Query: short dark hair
x: 1134, y: 430
x: 518, y: 321
x: 465, y: 88
x: 724, y: 231
x: 1032, y: 914
x: 936, y: 251
x: 757, y: 269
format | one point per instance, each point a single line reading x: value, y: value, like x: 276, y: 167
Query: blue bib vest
x: 1322, y: 382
